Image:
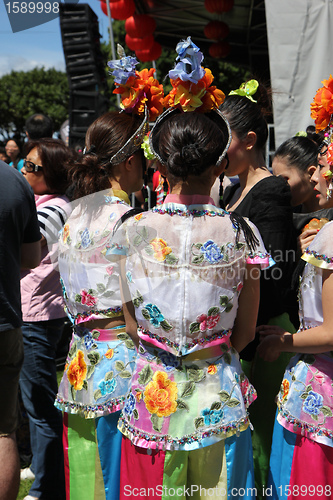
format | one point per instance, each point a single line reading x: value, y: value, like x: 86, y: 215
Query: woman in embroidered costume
x: 101, y: 358
x: 303, y: 431
x: 191, y: 278
x: 265, y: 200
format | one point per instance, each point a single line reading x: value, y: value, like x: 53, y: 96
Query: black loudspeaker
x: 85, y: 67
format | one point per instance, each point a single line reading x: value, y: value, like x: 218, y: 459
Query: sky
x: 39, y: 46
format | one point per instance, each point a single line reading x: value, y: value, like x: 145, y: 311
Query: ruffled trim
x: 263, y: 259
x: 90, y: 411
x: 190, y: 441
x: 112, y: 312
x: 317, y: 259
x: 297, y: 426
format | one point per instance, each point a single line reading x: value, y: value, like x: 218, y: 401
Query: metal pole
x: 113, y: 49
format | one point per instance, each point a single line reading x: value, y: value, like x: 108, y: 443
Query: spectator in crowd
x: 19, y: 247
x: 38, y: 126
x: 13, y: 151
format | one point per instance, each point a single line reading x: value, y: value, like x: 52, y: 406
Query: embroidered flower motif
x: 211, y: 252
x: 85, y: 238
x: 107, y: 386
x: 109, y: 270
x: 109, y: 353
x: 138, y: 396
x: 154, y: 314
x: 244, y: 384
x: 170, y: 362
x: 88, y: 341
x: 161, y: 249
x: 129, y: 405
x: 313, y: 403
x: 285, y: 388
x: 77, y: 371
x: 87, y: 298
x: 212, y: 417
x: 212, y: 369
x: 207, y: 322
x: 65, y: 233
x: 138, y: 216
x: 160, y: 395
x: 129, y: 277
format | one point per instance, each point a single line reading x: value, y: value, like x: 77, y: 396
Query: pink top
x: 41, y: 293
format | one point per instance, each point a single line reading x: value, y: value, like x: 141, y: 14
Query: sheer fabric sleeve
x: 320, y: 251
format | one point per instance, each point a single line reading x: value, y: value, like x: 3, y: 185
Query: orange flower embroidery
x: 65, y: 234
x: 212, y: 369
x: 109, y: 353
x: 138, y: 396
x: 77, y: 371
x: 160, y: 395
x: 285, y: 388
x: 161, y: 249
x: 138, y: 216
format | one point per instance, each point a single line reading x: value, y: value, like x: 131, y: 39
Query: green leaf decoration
x: 217, y: 405
x: 108, y: 293
x: 314, y: 417
x: 293, y: 378
x: 138, y: 299
x: 199, y: 422
x: 149, y: 250
x: 233, y: 403
x: 90, y: 371
x: 109, y: 375
x: 226, y: 257
x: 308, y: 388
x: 97, y: 394
x: 304, y: 395
x: 198, y: 259
x: 157, y: 422
x: 136, y: 414
x: 73, y: 392
x: 224, y: 348
x: 129, y: 344
x: 227, y: 358
x: 73, y: 350
x: 78, y: 298
x: 194, y: 327
x: 326, y: 410
x: 224, y: 299
x: 145, y: 375
x: 144, y: 232
x: 125, y: 374
x: 91, y: 291
x: 195, y: 373
x: 213, y: 311
x: 166, y: 325
x: 123, y: 336
x: 229, y: 307
x: 239, y: 246
x: 106, y: 233
x: 247, y: 89
x: 171, y: 259
x: 100, y: 287
x: 188, y: 390
x: 181, y: 405
x: 145, y: 313
x: 94, y: 357
x: 224, y: 396
x: 197, y: 245
x: 119, y: 365
x: 95, y: 334
x: 137, y: 240
x: 85, y: 385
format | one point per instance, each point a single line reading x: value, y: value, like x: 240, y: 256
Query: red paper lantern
x: 219, y: 49
x: 139, y: 43
x: 149, y: 54
x: 216, y: 30
x: 121, y: 10
x: 140, y: 25
x: 219, y: 6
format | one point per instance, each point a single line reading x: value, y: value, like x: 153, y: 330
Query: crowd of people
x: 199, y: 363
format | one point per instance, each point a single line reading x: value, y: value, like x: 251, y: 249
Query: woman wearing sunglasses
x: 43, y: 319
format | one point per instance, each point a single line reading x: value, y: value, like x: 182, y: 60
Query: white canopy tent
x: 300, y: 42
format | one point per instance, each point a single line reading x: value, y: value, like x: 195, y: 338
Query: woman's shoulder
x: 320, y: 250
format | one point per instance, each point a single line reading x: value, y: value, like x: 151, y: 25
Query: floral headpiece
x: 192, y: 90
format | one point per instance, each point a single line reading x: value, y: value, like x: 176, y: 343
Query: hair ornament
x: 247, y: 89
x: 192, y: 91
x: 149, y: 155
x: 90, y: 151
x: 192, y: 87
x: 138, y: 89
x: 322, y: 106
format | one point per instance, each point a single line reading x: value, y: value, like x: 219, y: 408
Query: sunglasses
x: 30, y: 166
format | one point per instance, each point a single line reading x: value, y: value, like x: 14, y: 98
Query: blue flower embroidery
x: 129, y: 405
x: 313, y: 403
x: 88, y: 341
x: 170, y: 362
x: 189, y: 60
x: 85, y: 238
x: 211, y: 252
x: 129, y: 277
x: 211, y: 417
x: 155, y: 315
x: 107, y: 386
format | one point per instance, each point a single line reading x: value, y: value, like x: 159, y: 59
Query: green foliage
x: 23, y: 93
